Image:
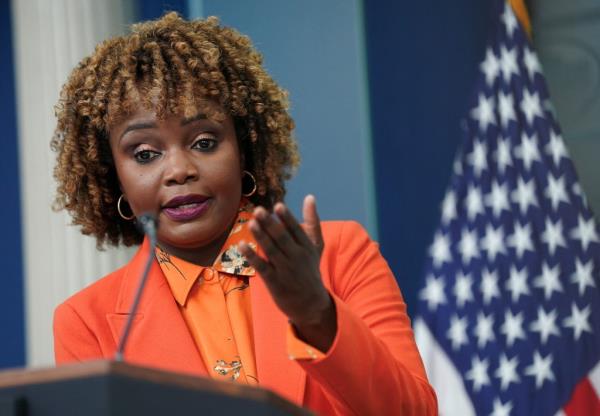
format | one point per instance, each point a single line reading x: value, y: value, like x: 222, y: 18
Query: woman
x: 179, y: 119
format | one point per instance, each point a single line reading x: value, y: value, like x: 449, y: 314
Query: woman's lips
x: 186, y: 208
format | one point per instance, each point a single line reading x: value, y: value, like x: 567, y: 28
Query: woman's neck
x: 201, y: 256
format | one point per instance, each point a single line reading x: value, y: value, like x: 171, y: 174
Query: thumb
x: 312, y: 223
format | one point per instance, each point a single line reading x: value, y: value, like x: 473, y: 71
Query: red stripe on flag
x: 584, y: 400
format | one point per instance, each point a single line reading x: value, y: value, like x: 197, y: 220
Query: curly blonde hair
x: 171, y: 66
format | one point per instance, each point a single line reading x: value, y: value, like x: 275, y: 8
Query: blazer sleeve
x: 73, y: 339
x: 373, y: 366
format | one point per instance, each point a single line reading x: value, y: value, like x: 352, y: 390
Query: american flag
x: 509, y: 314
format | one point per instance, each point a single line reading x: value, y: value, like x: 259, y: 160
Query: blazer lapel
x: 159, y: 336
x: 275, y: 370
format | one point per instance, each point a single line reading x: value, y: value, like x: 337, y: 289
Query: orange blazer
x: 372, y: 368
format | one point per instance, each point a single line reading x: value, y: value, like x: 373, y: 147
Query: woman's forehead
x: 201, y: 108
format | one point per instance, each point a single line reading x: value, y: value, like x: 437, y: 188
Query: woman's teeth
x: 184, y: 206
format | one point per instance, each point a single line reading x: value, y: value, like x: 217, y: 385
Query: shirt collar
x: 181, y: 275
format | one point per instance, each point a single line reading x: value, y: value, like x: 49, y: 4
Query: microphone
x: 148, y: 225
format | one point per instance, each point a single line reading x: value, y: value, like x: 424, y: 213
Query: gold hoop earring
x: 121, y: 212
x: 253, y: 191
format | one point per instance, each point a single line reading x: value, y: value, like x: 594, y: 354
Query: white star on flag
x: 502, y: 155
x: 490, y: 67
x: 440, y: 249
x: 497, y: 199
x: 493, y: 242
x: 576, y: 188
x: 507, y: 371
x: 512, y: 327
x: 553, y: 235
x: 484, y: 329
x: 508, y: 63
x: 474, y: 202
x: 506, y: 107
x: 541, y: 369
x: 531, y: 106
x: 556, y: 148
x: 578, y: 320
x: 478, y: 158
x: 449, y: 207
x: 549, y: 280
x: 468, y: 245
x: 501, y: 409
x: 509, y: 20
x: 583, y: 275
x: 462, y: 289
x: 524, y: 195
x: 484, y: 112
x: 489, y: 286
x: 585, y: 232
x: 528, y: 151
x: 520, y: 239
x: 478, y: 373
x: 517, y: 283
x: 457, y: 333
x: 545, y: 324
x: 433, y: 292
x: 531, y: 63
x: 556, y: 191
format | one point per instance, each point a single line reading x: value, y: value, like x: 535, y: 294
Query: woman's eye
x: 204, y: 144
x: 145, y: 156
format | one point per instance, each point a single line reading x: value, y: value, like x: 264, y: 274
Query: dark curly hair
x: 171, y: 66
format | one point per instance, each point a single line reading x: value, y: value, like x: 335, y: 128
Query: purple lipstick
x: 186, y: 207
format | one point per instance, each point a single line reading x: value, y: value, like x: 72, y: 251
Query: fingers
x: 271, y: 233
x: 312, y: 223
x: 280, y: 236
x: 261, y: 265
x: 292, y: 225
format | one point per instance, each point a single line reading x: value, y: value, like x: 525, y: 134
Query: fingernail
x: 259, y: 213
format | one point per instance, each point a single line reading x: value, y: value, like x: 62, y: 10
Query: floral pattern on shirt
x: 230, y: 260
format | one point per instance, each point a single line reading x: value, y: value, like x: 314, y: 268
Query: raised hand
x: 290, y: 269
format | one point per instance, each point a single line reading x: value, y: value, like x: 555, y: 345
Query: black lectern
x: 103, y: 388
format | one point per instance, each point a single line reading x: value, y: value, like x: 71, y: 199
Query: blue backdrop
x: 12, y: 316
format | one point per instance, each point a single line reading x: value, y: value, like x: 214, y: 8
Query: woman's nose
x: 180, y: 168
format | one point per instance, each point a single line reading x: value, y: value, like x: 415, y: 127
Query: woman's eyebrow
x: 199, y: 116
x: 138, y: 126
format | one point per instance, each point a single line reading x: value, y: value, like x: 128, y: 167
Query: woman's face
x: 185, y: 171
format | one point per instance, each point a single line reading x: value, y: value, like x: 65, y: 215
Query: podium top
x: 104, y: 368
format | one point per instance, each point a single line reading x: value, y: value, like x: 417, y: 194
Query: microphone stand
x: 148, y: 224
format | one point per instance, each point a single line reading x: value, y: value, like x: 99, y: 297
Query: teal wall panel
x: 314, y: 49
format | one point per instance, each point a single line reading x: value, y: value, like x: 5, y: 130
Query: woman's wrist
x: 319, y: 327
